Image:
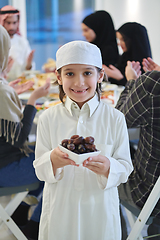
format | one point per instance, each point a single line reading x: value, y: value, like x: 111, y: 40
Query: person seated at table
x: 139, y: 102
x: 16, y: 157
x: 134, y: 41
x: 21, y: 55
x: 98, y: 28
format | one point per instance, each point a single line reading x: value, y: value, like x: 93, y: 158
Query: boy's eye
x: 69, y: 74
x: 87, y: 73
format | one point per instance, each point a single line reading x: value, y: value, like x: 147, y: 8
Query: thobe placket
x: 81, y: 116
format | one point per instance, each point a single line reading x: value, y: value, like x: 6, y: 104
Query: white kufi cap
x: 78, y: 52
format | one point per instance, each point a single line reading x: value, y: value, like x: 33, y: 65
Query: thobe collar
x: 92, y: 104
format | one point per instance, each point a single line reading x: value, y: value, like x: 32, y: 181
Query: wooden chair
x: 20, y: 193
x: 138, y: 219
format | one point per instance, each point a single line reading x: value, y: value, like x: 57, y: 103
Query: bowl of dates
x: 79, y: 148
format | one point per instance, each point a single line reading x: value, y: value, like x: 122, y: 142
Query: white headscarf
x: 10, y: 105
x: 5, y: 45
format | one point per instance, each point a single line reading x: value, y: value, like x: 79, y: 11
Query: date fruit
x: 79, y: 144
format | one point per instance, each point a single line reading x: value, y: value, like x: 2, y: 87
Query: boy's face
x: 79, y: 81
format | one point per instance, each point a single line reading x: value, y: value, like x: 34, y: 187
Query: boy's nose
x: 79, y: 81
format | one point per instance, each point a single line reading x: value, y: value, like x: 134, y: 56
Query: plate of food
x: 47, y: 104
x: 50, y: 65
x: 39, y: 79
x: 79, y: 148
x: 109, y: 87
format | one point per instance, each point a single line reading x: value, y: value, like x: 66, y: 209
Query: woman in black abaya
x: 134, y: 41
x: 98, y: 28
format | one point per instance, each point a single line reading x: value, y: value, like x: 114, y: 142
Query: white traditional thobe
x: 19, y: 51
x: 77, y: 203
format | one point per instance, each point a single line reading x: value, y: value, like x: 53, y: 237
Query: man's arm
x: 134, y: 100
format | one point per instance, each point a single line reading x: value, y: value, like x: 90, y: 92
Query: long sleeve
x: 120, y: 163
x: 20, y: 50
x: 112, y: 141
x: 134, y: 102
x: 23, y: 129
x: 42, y: 164
x: 15, y: 126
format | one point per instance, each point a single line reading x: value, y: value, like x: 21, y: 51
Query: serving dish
x: 78, y: 158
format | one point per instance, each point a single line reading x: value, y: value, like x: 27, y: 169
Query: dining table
x: 110, y: 95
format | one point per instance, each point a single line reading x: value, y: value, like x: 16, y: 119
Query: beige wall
x: 146, y: 12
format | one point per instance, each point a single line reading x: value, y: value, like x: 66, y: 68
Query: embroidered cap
x: 78, y: 52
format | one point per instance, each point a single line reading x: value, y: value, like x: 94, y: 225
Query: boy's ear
x: 101, y: 76
x: 58, y: 77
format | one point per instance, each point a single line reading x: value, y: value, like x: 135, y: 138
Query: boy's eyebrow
x: 90, y: 68
x: 68, y: 69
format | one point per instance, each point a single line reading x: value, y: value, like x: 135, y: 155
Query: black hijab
x: 139, y: 46
x: 101, y: 23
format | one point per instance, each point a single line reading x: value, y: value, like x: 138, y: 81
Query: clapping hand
x: 21, y: 88
x: 150, y: 65
x: 113, y: 72
x: 132, y: 70
x: 39, y: 92
x: 29, y: 60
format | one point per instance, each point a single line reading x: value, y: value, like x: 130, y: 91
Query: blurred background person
x: 134, y: 41
x: 16, y: 157
x: 21, y: 55
x: 139, y: 102
x: 98, y: 28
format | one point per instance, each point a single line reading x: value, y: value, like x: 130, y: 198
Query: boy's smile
x: 79, y: 91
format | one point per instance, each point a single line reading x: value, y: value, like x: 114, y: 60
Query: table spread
x: 110, y: 95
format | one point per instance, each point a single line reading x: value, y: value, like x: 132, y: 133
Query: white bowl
x: 78, y: 158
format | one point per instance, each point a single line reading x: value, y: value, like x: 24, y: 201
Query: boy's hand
x: 98, y: 164
x: 60, y: 159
